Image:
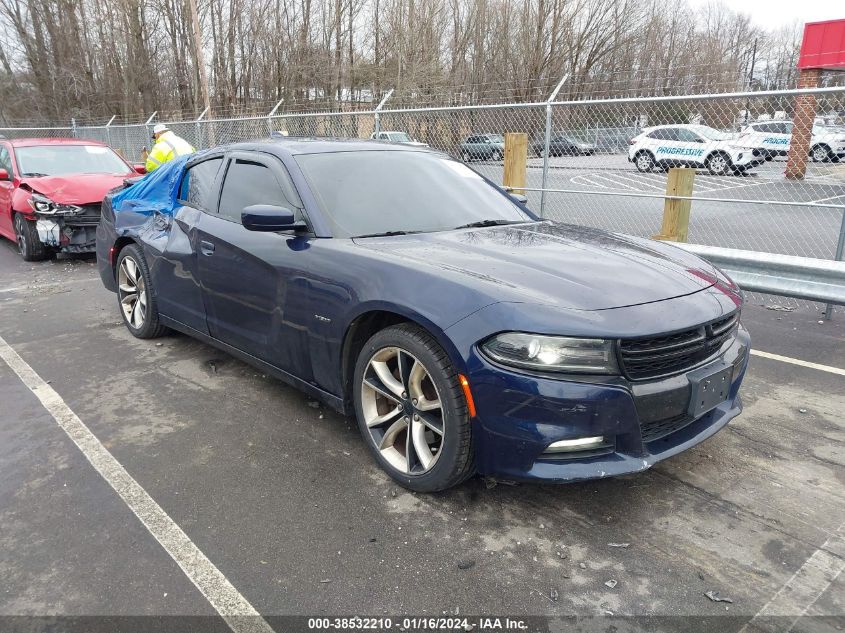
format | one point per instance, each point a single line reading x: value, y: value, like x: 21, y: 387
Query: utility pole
x: 200, y: 58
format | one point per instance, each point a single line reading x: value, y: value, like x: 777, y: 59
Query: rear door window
x: 5, y: 160
x: 197, y: 185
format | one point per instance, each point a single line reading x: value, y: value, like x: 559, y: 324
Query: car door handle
x: 206, y: 248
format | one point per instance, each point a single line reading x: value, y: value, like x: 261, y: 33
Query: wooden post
x: 516, y: 160
x: 676, y: 212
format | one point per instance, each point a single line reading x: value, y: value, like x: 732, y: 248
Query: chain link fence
x: 770, y: 166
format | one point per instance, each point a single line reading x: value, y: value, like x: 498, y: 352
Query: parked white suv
x: 772, y: 138
x: 691, y: 146
x: 397, y: 137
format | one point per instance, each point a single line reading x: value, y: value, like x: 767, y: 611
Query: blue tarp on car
x: 155, y: 192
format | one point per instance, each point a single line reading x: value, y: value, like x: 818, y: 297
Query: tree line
x: 91, y: 59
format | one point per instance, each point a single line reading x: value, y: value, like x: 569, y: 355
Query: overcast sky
x: 771, y: 14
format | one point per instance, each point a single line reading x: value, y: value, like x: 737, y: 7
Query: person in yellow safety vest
x: 167, y: 147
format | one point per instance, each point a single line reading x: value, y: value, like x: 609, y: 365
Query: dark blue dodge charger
x: 463, y: 332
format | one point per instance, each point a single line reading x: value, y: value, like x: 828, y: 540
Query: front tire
x: 718, y: 164
x: 821, y: 154
x: 135, y: 296
x: 465, y: 156
x: 411, y: 410
x: 496, y: 155
x: 31, y: 248
x: 644, y: 162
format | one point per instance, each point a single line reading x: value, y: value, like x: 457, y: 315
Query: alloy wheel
x: 20, y: 234
x: 718, y: 164
x: 402, y: 411
x: 133, y: 292
x: 820, y: 154
x: 644, y: 162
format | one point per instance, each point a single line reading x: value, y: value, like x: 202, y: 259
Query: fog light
x: 579, y: 444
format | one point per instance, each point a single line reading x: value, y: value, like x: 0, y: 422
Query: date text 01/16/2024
x: 418, y: 624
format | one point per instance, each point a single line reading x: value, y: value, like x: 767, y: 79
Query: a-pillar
x: 802, y: 125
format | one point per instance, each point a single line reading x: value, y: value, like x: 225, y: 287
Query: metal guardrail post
x: 840, y: 251
x: 547, y: 142
x: 199, y: 127
x: 270, y: 117
x: 377, y: 116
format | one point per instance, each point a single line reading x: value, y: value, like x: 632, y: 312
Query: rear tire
x: 135, y: 296
x: 496, y: 155
x: 411, y: 409
x: 31, y: 248
x: 465, y: 156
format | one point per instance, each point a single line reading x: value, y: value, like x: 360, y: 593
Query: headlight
x: 45, y: 206
x: 553, y: 353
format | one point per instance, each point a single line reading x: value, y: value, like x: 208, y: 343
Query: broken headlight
x: 44, y: 206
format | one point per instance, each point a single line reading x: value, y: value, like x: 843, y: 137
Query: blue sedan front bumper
x: 520, y: 415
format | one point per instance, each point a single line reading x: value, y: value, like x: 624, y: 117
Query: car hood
x: 76, y: 188
x: 568, y: 266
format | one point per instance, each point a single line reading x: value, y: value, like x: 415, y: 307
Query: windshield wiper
x: 483, y: 223
x: 385, y: 234
x: 34, y: 174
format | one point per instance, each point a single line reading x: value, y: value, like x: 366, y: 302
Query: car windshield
x: 399, y: 137
x: 64, y: 160
x: 711, y: 134
x: 371, y: 192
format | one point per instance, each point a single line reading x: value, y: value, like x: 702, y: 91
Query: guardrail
x: 820, y: 280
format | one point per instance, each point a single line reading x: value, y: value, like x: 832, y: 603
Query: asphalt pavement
x: 600, y: 189
x: 283, y: 498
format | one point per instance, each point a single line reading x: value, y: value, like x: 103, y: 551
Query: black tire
x: 718, y: 164
x: 465, y: 156
x: 821, y: 154
x: 644, y: 161
x: 455, y: 460
x: 496, y: 155
x: 148, y: 325
x: 31, y: 248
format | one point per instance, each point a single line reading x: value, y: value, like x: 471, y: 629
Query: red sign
x: 823, y: 45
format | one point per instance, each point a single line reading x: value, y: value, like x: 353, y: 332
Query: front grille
x: 89, y: 216
x: 667, y: 354
x: 657, y: 429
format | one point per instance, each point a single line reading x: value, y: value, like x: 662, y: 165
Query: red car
x: 51, y: 190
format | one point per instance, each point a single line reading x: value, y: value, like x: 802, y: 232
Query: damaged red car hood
x: 76, y: 188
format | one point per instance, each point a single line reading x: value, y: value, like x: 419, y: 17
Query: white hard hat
x: 159, y: 128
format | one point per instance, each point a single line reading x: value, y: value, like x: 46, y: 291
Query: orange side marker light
x: 467, y: 394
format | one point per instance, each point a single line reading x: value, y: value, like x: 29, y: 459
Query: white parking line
x: 238, y: 613
x: 800, y: 363
x: 801, y: 591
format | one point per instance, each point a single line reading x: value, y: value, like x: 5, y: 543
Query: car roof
x: 306, y: 145
x: 32, y: 142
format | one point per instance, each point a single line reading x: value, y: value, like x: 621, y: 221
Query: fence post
x: 546, y: 142
x: 270, y: 117
x: 377, y: 116
x: 516, y: 161
x: 199, y: 127
x: 108, y: 129
x: 676, y: 212
x: 73, y: 128
x: 840, y: 251
x: 149, y: 134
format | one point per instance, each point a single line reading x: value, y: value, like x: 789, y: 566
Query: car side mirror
x: 268, y: 217
x: 518, y: 197
x: 4, y: 175
x: 139, y: 169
